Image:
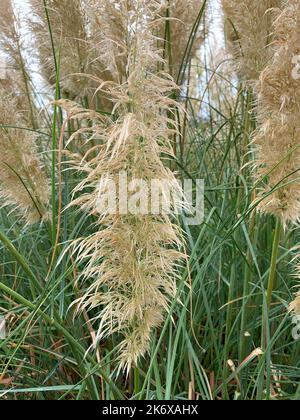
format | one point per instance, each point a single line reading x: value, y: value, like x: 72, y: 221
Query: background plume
x: 248, y: 30
x: 277, y: 138
x: 68, y: 24
x: 23, y: 183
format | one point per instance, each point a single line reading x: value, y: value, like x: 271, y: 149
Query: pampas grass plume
x: 23, y: 183
x: 248, y: 27
x: 277, y: 137
x: 131, y: 263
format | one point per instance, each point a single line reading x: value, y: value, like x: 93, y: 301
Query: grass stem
x: 273, y: 266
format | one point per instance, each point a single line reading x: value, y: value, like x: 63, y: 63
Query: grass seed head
x: 248, y: 29
x: 131, y: 261
x: 23, y: 182
x: 277, y: 138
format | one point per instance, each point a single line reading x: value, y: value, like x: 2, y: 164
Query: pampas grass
x: 17, y: 80
x: 23, y: 183
x: 249, y: 31
x: 107, y: 42
x: 69, y: 39
x: 130, y: 262
x: 276, y: 141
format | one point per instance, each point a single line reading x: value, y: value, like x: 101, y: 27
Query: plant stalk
x: 273, y: 266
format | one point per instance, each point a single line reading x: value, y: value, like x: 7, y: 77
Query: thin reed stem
x: 273, y: 266
x: 54, y: 125
x: 136, y: 373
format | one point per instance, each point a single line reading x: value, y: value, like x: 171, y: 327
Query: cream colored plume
x: 131, y: 261
x: 248, y: 28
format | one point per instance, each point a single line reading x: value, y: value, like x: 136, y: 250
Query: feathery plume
x: 277, y: 138
x: 248, y: 28
x: 69, y: 31
x: 108, y: 32
x: 131, y: 261
x: 23, y: 184
x: 9, y: 38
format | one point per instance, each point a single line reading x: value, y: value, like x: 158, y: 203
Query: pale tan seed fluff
x: 110, y: 46
x: 9, y: 38
x: 12, y: 50
x: 23, y: 183
x: 277, y: 138
x: 107, y: 39
x: 69, y: 32
x: 107, y: 46
x: 131, y: 262
x: 248, y: 28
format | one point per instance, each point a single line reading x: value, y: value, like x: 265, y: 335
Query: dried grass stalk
x: 248, y: 28
x: 130, y: 264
